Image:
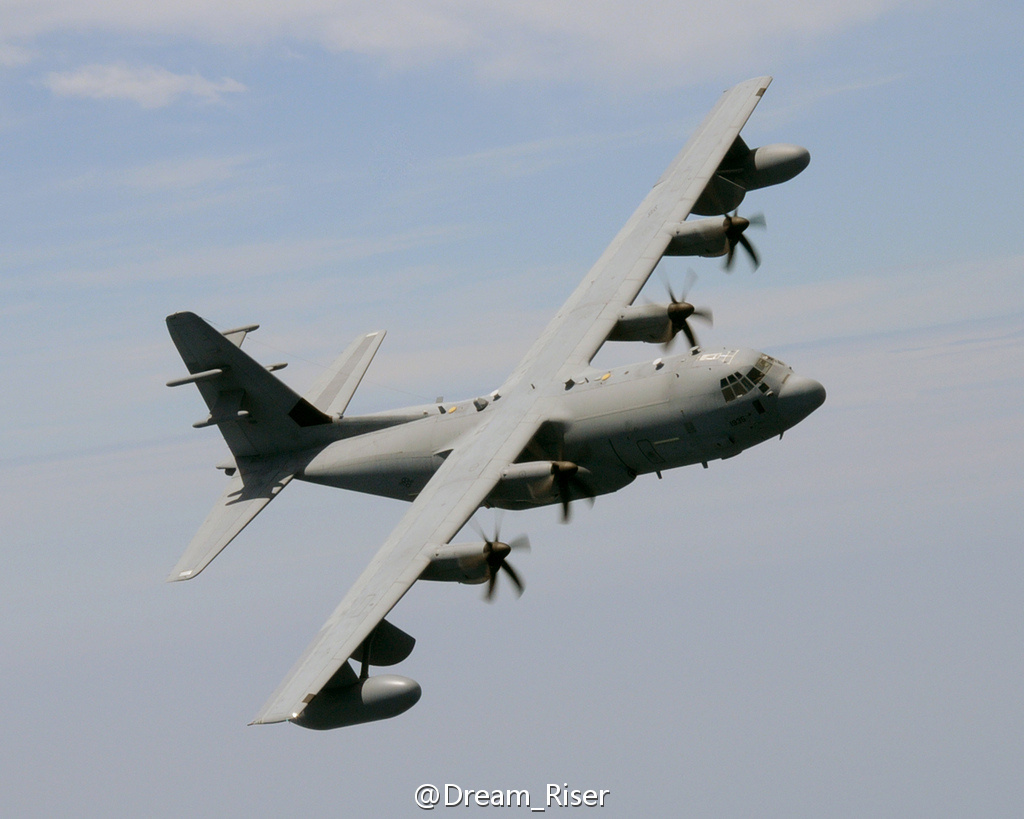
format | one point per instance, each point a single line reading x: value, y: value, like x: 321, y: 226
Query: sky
x: 827, y: 625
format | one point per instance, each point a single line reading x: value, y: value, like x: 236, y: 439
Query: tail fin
x: 257, y: 413
x: 335, y: 388
x: 265, y: 424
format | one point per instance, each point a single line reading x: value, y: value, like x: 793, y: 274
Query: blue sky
x: 825, y: 626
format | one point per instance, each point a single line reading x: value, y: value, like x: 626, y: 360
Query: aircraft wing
x: 583, y: 324
x: 565, y: 347
x: 447, y: 501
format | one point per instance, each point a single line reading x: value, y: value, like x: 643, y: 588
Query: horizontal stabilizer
x: 257, y: 413
x: 251, y: 489
x: 334, y: 389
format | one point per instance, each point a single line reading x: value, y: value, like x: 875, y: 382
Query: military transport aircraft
x: 557, y: 430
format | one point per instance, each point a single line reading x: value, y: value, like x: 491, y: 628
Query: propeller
x: 734, y: 227
x: 680, y: 311
x: 564, y: 478
x: 497, y: 554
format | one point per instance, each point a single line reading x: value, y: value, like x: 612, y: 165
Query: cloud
x: 660, y: 41
x: 149, y: 86
x: 12, y: 55
x: 183, y: 174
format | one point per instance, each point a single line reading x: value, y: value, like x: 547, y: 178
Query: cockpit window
x: 738, y: 384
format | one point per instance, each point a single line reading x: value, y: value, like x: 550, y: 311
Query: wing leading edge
x: 474, y: 467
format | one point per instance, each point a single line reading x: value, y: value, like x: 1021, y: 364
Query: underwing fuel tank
x: 745, y: 170
x: 379, y: 697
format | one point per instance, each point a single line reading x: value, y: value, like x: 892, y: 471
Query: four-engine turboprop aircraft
x: 556, y: 431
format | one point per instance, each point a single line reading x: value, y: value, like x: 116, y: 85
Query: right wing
x: 584, y: 322
x: 449, y: 499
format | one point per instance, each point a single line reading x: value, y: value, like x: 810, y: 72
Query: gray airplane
x: 556, y: 431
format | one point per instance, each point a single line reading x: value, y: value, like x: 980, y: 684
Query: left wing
x: 566, y: 346
x: 576, y: 333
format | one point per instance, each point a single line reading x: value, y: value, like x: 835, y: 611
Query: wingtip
x: 261, y: 721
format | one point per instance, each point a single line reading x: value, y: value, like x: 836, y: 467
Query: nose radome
x: 798, y: 398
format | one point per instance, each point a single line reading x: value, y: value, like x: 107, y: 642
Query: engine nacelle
x: 380, y: 697
x: 535, y: 483
x: 700, y: 237
x: 458, y: 563
x: 644, y: 322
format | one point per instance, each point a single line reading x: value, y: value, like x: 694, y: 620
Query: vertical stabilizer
x: 334, y: 389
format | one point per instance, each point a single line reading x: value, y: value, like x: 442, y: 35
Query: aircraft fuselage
x: 613, y: 424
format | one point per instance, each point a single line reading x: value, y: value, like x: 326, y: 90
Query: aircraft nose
x: 798, y: 398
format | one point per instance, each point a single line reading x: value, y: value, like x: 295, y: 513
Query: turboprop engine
x: 660, y: 323
x: 476, y: 562
x: 716, y: 236
x: 458, y: 563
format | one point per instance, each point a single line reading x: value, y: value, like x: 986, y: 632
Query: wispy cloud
x: 617, y: 41
x: 183, y: 174
x: 525, y: 158
x: 12, y: 55
x: 149, y: 86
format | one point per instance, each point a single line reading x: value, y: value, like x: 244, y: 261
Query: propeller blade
x: 563, y: 494
x: 690, y: 335
x: 680, y: 311
x: 497, y: 554
x: 566, y: 483
x: 562, y: 473
x: 750, y: 249
x: 691, y: 280
x: 514, y: 578
x: 479, y: 530
x: 521, y: 543
x: 729, y: 256
x: 735, y: 225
